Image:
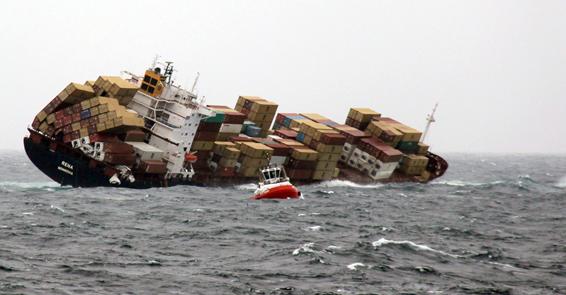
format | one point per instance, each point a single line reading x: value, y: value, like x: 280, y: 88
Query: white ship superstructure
x: 172, y: 115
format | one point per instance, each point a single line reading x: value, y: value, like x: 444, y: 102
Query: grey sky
x: 498, y: 68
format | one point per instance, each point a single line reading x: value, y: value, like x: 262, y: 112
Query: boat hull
x: 280, y: 191
x: 70, y: 167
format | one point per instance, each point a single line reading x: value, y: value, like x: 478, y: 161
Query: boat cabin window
x: 266, y: 174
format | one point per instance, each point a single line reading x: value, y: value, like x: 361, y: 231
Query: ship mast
x: 429, y: 120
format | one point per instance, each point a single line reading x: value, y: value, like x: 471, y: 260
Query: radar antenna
x: 168, y: 71
x: 429, y: 120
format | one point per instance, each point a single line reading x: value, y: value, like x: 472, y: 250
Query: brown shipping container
x: 117, y: 147
x: 134, y: 135
x: 209, y: 127
x: 205, y: 136
x: 299, y: 174
x: 300, y: 164
x: 120, y: 159
x: 153, y: 167
x: 304, y: 154
x: 286, y: 133
x: 279, y: 149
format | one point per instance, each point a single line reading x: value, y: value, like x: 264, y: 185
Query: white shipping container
x: 146, y: 151
x: 231, y: 128
x: 376, y: 175
x: 277, y: 160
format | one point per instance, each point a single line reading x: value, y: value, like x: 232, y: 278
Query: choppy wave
x: 561, y: 183
x: 413, y: 245
x: 27, y: 186
x: 461, y: 183
x: 346, y: 183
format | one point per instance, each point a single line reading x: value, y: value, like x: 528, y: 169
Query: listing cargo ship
x: 146, y: 131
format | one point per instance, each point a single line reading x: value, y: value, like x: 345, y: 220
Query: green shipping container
x: 218, y: 118
x: 408, y: 147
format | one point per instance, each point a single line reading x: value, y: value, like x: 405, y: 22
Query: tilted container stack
x: 258, y: 110
x: 253, y: 156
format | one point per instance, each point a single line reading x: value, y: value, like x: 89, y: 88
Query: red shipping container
x: 234, y: 117
x: 353, y: 136
x: 35, y: 123
x: 333, y: 139
x: 241, y: 138
x: 75, y: 135
x: 76, y: 117
x: 59, y: 115
x: 99, y: 137
x: 280, y: 149
x: 286, y: 133
x: 67, y: 120
x: 58, y: 123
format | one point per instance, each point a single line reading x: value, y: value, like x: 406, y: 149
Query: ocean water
x: 491, y: 225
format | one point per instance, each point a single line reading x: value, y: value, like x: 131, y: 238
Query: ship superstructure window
x: 146, y: 79
x: 153, y: 82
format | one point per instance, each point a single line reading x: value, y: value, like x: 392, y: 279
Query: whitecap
x: 305, y: 248
x: 247, y: 187
x: 332, y: 247
x: 346, y: 183
x: 355, y: 265
x: 314, y: 228
x: 29, y: 185
x: 502, y: 265
x: 461, y: 183
x: 413, y: 245
x: 57, y: 208
x: 561, y: 183
x: 301, y: 214
x: 27, y: 213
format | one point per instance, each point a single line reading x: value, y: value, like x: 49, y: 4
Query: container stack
x: 413, y: 165
x: 359, y: 118
x: 115, y: 153
x: 289, y: 121
x: 328, y: 143
x: 258, y: 110
x: 115, y: 87
x: 232, y: 122
x: 253, y: 157
x: 302, y: 162
x: 90, y: 116
x: 224, y: 159
x: 319, y: 119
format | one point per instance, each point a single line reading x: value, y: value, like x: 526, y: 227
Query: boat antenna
x: 195, y: 83
x: 154, y: 63
x: 429, y: 120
